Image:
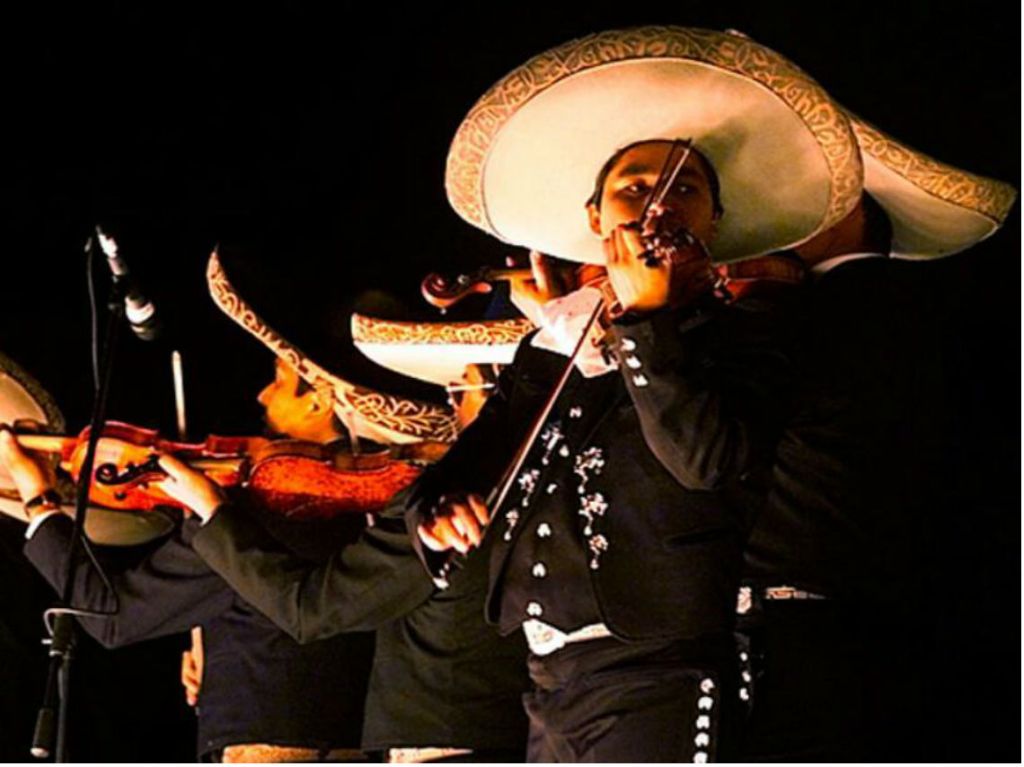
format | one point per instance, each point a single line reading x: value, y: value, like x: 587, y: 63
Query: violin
x: 297, y: 479
x: 736, y: 280
x: 663, y: 238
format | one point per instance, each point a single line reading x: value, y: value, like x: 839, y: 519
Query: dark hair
x: 877, y: 224
x: 709, y: 171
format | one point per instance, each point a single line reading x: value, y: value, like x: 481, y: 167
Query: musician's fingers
x: 427, y: 537
x: 479, y: 508
x: 176, y: 469
x: 464, y: 522
x: 447, y: 536
x: 197, y: 645
x: 10, y: 450
x: 619, y: 247
x: 631, y: 242
x: 467, y: 526
x: 189, y: 487
x: 30, y: 476
x: 189, y: 673
x: 189, y: 678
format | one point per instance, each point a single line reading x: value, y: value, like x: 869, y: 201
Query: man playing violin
x: 262, y: 696
x: 855, y: 564
x: 617, y: 552
x: 426, y: 643
x: 839, y: 544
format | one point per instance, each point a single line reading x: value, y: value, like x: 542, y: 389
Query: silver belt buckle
x: 788, y: 592
x: 745, y: 596
x: 542, y: 638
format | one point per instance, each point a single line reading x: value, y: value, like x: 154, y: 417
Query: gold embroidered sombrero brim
x: 437, y: 352
x: 525, y: 159
x: 371, y: 414
x: 935, y: 209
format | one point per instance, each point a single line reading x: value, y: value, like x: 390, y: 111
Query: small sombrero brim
x: 935, y: 209
x: 437, y: 352
x: 525, y: 159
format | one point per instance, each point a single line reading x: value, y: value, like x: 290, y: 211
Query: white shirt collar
x: 829, y: 264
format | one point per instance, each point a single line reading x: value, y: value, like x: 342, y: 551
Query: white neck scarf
x: 562, y: 321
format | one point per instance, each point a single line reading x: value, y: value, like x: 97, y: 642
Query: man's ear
x: 317, y: 405
x: 594, y: 218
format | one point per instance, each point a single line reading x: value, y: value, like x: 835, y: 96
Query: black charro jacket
x: 441, y: 676
x: 259, y: 684
x: 678, y: 444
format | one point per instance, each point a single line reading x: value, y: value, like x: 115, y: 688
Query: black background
x: 176, y: 124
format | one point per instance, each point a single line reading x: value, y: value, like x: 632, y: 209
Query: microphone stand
x: 50, y: 736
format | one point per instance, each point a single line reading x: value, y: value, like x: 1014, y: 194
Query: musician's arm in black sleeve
x: 368, y: 583
x: 709, y: 389
x: 161, y: 588
x: 478, y: 460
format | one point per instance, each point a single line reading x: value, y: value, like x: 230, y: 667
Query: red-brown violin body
x: 297, y: 479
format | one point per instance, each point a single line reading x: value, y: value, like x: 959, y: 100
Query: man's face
x: 286, y: 412
x: 631, y: 180
x: 469, y: 394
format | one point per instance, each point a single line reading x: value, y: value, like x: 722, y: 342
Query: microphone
x: 139, y: 310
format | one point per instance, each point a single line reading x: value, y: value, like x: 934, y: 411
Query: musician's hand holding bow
x: 458, y: 523
x: 190, y: 487
x: 655, y: 267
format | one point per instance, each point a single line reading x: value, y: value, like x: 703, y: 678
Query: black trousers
x: 833, y: 683
x: 604, y: 700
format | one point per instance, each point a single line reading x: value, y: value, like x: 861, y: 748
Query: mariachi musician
x: 618, y: 551
x: 430, y: 645
x: 852, y: 569
x: 426, y: 644
x: 264, y: 697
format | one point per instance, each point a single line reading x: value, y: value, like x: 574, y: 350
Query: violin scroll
x: 442, y: 292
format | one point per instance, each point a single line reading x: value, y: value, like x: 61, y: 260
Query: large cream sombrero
x: 935, y: 209
x: 369, y: 413
x: 437, y: 352
x: 525, y: 159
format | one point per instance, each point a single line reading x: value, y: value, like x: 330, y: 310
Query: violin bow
x: 677, y: 157
x: 496, y: 498
x: 674, y: 162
